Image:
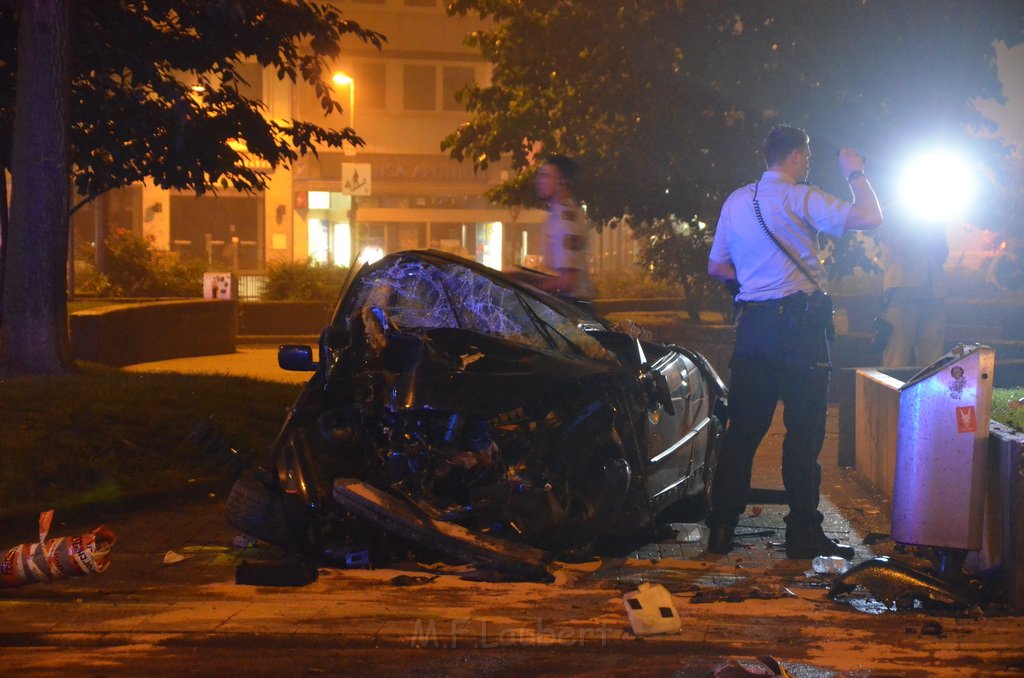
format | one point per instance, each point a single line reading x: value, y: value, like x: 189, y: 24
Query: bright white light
x: 371, y: 254
x: 937, y: 186
x: 317, y: 240
x: 342, y: 244
x: 492, y: 244
x: 318, y: 200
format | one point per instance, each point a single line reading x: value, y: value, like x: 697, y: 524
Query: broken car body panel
x: 898, y: 585
x: 484, y: 402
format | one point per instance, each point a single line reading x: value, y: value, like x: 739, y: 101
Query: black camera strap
x: 771, y: 236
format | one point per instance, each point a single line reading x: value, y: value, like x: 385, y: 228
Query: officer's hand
x: 850, y: 160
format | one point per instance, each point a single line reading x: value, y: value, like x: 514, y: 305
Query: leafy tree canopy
x: 665, y: 102
x: 137, y: 111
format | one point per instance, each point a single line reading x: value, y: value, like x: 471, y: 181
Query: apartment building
x: 399, y: 191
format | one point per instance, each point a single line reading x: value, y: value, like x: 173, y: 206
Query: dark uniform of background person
x: 781, y: 346
x: 914, y: 253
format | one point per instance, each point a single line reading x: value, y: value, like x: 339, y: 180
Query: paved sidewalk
x: 256, y: 361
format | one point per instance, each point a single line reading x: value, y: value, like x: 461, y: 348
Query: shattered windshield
x: 415, y: 294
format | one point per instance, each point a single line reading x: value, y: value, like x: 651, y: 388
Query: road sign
x: 355, y: 178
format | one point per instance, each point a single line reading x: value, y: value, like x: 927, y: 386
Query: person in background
x: 782, y: 328
x: 565, y: 230
x: 914, y: 291
x: 1007, y: 268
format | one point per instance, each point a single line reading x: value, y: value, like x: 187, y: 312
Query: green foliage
x: 134, y: 112
x: 110, y: 432
x: 155, y: 91
x: 298, y: 281
x: 136, y: 269
x: 678, y: 251
x: 665, y: 103
x: 1006, y: 409
x: 633, y: 283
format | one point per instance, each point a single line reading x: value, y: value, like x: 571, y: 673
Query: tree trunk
x: 5, y: 216
x: 35, y: 331
x: 690, y: 300
x: 101, y: 225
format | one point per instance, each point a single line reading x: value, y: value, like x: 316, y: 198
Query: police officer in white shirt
x: 782, y: 327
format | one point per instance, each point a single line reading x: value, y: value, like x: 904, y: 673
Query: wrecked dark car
x: 458, y: 408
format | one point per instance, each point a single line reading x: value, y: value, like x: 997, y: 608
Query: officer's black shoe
x: 720, y: 538
x: 803, y: 543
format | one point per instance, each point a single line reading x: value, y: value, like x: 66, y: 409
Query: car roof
x: 440, y: 258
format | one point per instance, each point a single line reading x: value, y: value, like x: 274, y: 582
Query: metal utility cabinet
x: 941, y: 451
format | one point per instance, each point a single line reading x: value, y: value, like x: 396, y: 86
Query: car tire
x: 259, y: 512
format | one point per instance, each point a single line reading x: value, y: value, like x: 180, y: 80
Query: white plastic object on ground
x: 651, y: 611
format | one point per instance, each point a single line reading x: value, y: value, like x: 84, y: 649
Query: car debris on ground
x: 58, y: 558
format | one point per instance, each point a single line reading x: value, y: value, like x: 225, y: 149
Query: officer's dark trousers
x: 781, y: 353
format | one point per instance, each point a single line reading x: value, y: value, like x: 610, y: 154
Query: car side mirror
x: 654, y: 382
x: 657, y: 389
x: 296, y: 358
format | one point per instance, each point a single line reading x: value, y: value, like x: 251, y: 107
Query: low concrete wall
x: 283, y: 318
x: 136, y: 333
x: 1004, y: 510
x: 653, y: 304
x: 877, y: 414
x: 877, y: 403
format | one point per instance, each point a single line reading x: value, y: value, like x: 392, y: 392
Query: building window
x: 420, y: 3
x: 419, y: 92
x: 310, y: 108
x: 456, y: 78
x: 370, y: 81
x: 252, y: 73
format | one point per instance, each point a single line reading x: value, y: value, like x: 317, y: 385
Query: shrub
x: 135, y: 269
x: 677, y: 251
x: 303, y: 281
x: 633, y: 283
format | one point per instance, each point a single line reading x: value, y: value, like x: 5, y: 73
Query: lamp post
x: 343, y: 79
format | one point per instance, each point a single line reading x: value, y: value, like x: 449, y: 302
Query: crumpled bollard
x: 56, y: 558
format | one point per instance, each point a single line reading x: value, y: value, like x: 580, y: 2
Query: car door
x: 676, y: 436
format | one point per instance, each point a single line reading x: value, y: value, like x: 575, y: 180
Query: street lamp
x: 938, y: 185
x: 345, y: 80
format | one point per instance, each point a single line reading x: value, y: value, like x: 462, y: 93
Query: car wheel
x: 258, y: 512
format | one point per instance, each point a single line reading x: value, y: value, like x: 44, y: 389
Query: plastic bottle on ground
x: 830, y: 564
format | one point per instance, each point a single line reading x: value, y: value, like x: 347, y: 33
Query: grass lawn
x: 106, y: 432
x: 1003, y: 412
